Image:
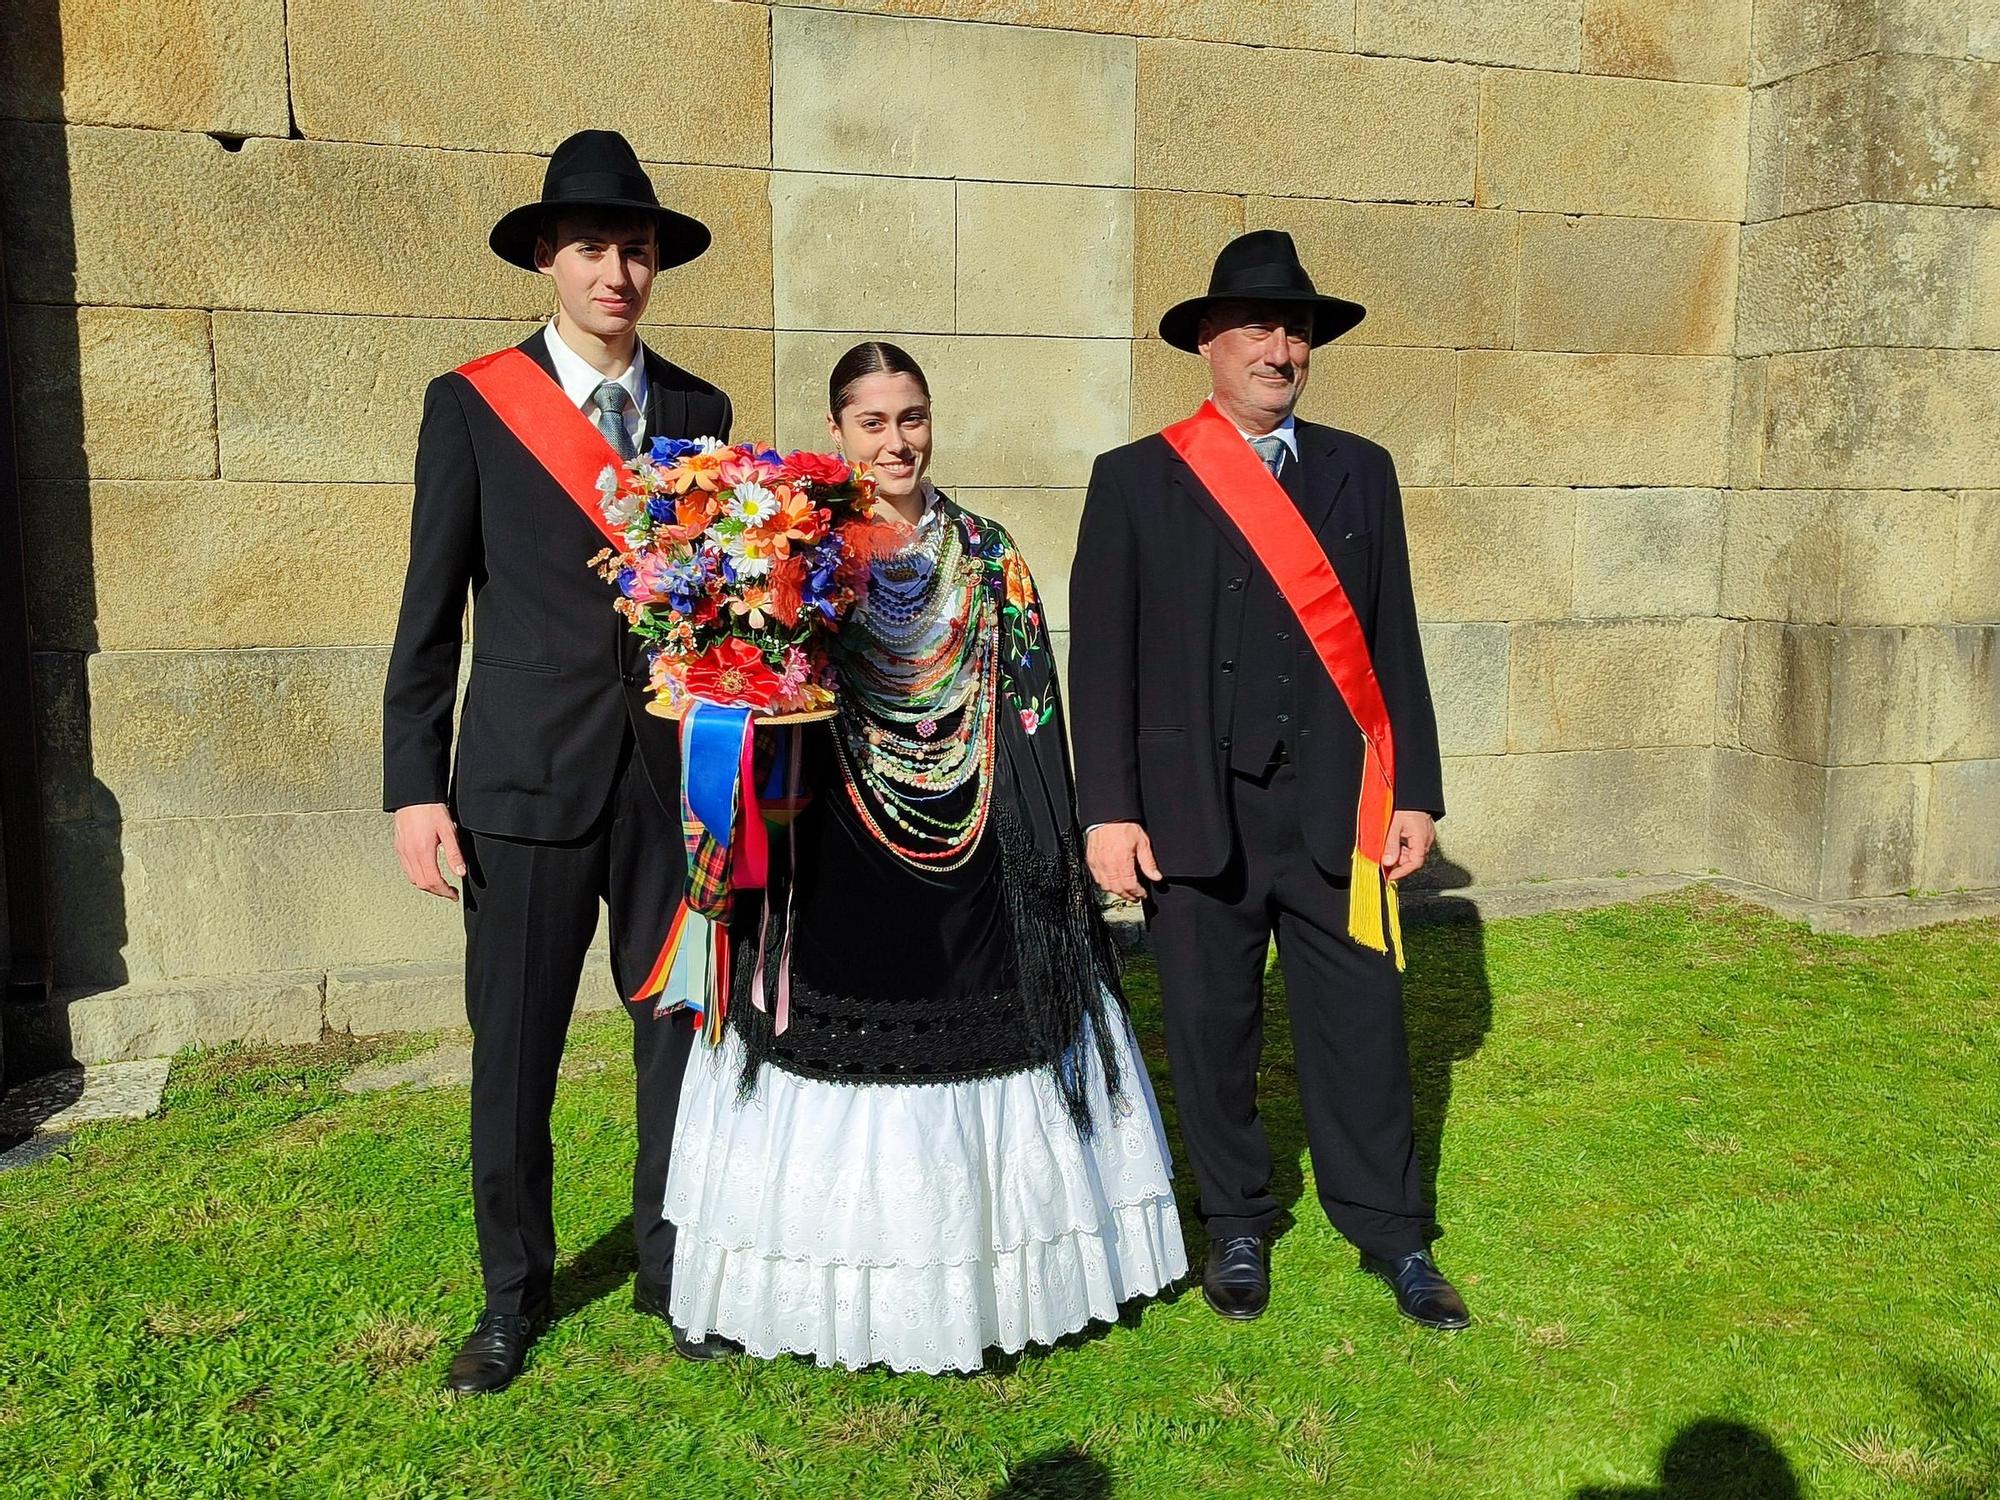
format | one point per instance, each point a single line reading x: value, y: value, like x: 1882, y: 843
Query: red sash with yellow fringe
x: 1252, y: 498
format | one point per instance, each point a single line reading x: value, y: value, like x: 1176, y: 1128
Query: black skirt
x: 899, y: 974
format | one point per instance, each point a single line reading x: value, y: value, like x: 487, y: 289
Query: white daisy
x: 752, y: 504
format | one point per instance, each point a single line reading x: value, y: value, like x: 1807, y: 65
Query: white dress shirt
x: 1287, y: 431
x: 580, y: 382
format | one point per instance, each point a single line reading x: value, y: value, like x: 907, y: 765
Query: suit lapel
x: 536, y: 347
x: 1197, y: 493
x: 1323, y: 474
x: 666, y: 403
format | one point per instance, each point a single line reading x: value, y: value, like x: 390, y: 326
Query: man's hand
x: 1411, y: 835
x: 421, y: 830
x: 1118, y: 854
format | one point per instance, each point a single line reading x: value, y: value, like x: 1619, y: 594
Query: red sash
x: 532, y: 406
x: 554, y: 430
x: 1236, y: 479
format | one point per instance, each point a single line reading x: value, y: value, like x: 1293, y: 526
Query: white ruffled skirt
x: 913, y: 1225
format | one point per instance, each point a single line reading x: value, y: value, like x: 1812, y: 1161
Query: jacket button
x: 1229, y: 666
x: 1222, y: 744
x: 1284, y: 718
x: 1235, y: 584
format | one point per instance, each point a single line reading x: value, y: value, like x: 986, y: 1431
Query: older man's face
x: 1257, y: 355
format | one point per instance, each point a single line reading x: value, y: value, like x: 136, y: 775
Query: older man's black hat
x: 1261, y: 266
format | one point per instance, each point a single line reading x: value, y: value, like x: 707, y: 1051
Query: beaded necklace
x: 920, y: 660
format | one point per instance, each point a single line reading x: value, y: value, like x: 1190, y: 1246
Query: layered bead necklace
x: 920, y: 659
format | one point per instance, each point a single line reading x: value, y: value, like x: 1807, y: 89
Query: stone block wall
x: 1695, y: 416
x: 1858, y: 543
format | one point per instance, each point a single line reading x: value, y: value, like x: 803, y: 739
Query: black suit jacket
x: 556, y: 675
x: 1157, y: 591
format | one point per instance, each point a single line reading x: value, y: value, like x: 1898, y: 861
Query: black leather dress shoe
x: 1422, y: 1293
x: 650, y: 1298
x: 495, y: 1350
x: 1237, y: 1282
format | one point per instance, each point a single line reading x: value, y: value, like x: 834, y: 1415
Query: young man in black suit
x: 1219, y: 697
x: 565, y: 792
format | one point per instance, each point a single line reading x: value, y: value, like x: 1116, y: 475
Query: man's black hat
x: 596, y: 169
x: 1261, y: 266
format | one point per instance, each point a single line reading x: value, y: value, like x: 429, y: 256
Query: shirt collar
x: 579, y: 381
x: 1286, y: 431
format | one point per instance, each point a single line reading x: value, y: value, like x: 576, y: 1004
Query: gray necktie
x: 1271, y: 448
x: 612, y: 399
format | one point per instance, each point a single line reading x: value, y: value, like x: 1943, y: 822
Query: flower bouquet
x: 737, y: 567
x: 738, y: 564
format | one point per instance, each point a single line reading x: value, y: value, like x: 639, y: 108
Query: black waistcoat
x: 1267, y: 667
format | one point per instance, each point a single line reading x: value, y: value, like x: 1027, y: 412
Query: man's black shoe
x: 650, y: 1298
x: 495, y: 1350
x: 1422, y: 1293
x: 1237, y: 1283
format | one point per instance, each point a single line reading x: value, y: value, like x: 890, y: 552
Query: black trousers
x: 1210, y: 938
x: 530, y: 913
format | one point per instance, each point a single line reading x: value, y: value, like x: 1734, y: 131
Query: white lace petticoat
x: 913, y: 1225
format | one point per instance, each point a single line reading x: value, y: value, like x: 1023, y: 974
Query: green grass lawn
x: 1720, y: 1192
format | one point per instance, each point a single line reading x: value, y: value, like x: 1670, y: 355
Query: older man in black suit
x: 1245, y: 674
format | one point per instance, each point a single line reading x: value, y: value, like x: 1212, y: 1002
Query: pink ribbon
x: 784, y: 1016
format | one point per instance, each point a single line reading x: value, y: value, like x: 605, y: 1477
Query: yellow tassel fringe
x: 1368, y: 895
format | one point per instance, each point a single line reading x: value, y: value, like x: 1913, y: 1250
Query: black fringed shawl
x: 1066, y: 964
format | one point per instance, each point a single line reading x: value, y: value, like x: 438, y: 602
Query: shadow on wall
x: 85, y: 866
x: 1713, y: 1459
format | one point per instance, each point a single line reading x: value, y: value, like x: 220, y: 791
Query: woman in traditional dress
x: 927, y: 1131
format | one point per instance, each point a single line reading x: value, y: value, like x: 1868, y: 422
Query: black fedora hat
x: 596, y: 169
x: 1261, y: 266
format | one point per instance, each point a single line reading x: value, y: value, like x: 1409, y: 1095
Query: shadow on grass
x: 593, y: 1272
x: 1066, y: 1473
x: 1448, y: 1007
x: 1712, y: 1459
x: 1447, y: 1004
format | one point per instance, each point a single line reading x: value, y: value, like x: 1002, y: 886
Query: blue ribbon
x: 711, y: 762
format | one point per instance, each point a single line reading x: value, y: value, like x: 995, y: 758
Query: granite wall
x: 1683, y: 327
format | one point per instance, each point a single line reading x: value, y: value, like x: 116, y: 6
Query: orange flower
x: 1020, y: 585
x: 751, y: 605
x: 693, y: 514
x: 797, y: 520
x: 697, y: 471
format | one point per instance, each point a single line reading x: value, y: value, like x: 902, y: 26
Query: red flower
x: 734, y: 671
x: 788, y: 580
x: 822, y: 469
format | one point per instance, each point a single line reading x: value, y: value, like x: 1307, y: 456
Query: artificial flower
x: 751, y: 503
x: 733, y: 671
x: 828, y: 470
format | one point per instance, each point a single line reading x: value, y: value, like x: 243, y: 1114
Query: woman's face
x: 886, y: 424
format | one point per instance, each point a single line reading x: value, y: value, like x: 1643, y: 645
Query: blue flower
x: 661, y: 507
x: 669, y: 450
x: 682, y: 583
x: 626, y: 578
